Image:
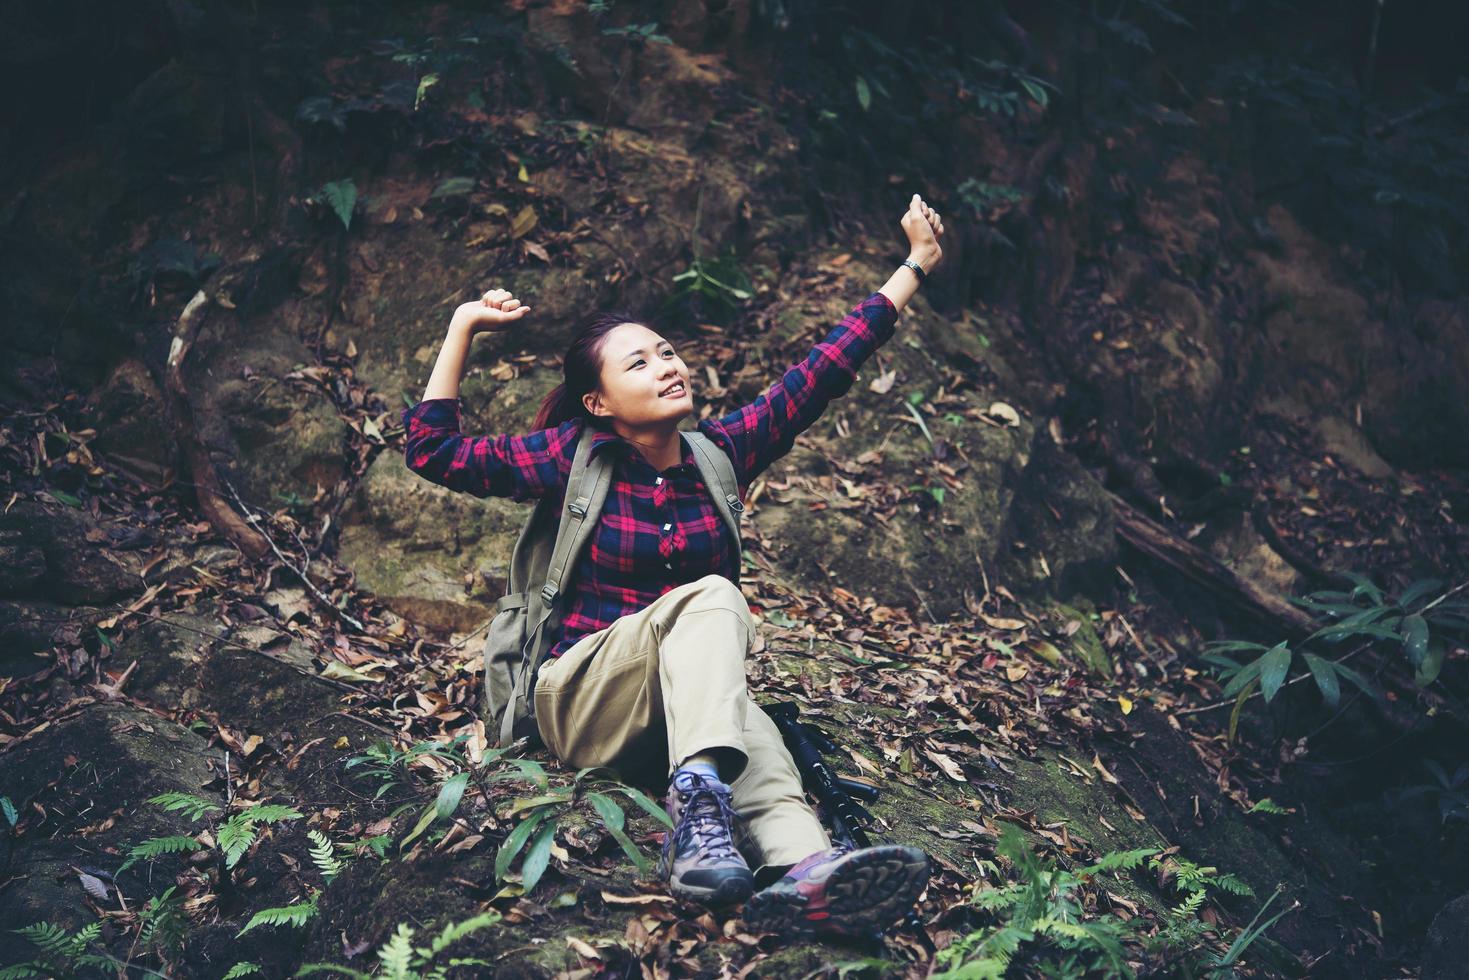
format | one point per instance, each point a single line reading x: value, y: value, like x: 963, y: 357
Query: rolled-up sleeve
x: 763, y: 431
x: 521, y: 467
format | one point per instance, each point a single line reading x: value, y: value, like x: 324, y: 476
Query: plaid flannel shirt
x: 658, y: 530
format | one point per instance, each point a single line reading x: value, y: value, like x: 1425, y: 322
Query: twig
x: 321, y: 597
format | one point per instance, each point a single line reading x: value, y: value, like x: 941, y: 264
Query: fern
x: 323, y: 855
x: 271, y: 813
x: 157, y: 847
x: 397, y: 954
x: 194, y: 807
x: 456, y: 931
x: 241, y: 969
x: 238, y: 832
x: 401, y: 960
x: 60, y: 952
x: 285, y: 915
x: 164, y: 922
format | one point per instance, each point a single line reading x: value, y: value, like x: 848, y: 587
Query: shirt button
x: 668, y: 565
x: 657, y: 481
x: 668, y: 527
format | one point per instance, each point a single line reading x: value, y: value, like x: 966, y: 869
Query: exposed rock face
x: 61, y: 554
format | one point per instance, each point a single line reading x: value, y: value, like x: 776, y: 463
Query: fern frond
x: 242, y: 969
x: 397, y: 954
x: 157, y: 847
x: 48, y: 938
x: 323, y: 855
x: 1189, y: 907
x: 21, y: 971
x: 271, y: 813
x: 193, y: 807
x: 235, y: 837
x: 454, y: 932
x: 1234, y: 885
x: 296, y: 914
x: 1119, y: 860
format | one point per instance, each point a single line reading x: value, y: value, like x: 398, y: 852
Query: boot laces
x: 707, y: 818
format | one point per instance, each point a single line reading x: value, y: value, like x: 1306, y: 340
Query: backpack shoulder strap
x: 718, y: 472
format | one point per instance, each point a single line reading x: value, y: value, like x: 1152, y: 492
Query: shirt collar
x: 602, y: 439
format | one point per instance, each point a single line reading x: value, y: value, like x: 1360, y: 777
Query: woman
x: 650, y: 663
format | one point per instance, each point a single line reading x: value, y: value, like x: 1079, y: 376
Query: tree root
x: 206, y: 482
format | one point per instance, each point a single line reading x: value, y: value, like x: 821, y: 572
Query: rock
x: 281, y: 440
x: 1446, y: 948
x: 77, y: 571
x: 413, y: 544
x: 1059, y: 535
x: 132, y: 429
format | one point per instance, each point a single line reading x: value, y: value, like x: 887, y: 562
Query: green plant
x: 164, y: 924
x: 323, y: 855
x: 1183, y: 932
x: 58, y: 952
x: 1450, y: 793
x: 720, y: 282
x: 639, y: 33
x: 401, y: 960
x: 390, y: 766
x: 296, y: 914
x: 1040, y: 921
x: 234, y: 836
x: 540, y: 814
x: 987, y: 199
x: 244, y: 968
x: 1413, y: 622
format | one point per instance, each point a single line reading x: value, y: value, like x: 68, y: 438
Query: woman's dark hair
x: 582, y: 370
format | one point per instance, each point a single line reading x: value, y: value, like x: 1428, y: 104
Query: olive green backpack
x: 529, y: 614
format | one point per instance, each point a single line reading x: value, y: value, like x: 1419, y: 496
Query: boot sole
x: 865, y: 895
x: 731, y: 891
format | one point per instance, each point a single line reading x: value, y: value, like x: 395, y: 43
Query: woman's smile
x: 676, y: 390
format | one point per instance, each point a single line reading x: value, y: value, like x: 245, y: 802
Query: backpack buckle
x: 549, y: 593
x: 734, y: 503
x: 578, y: 507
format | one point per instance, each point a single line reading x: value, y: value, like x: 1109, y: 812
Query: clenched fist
x: 493, y: 311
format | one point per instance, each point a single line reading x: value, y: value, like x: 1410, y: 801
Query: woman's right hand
x: 925, y: 231
x: 493, y: 311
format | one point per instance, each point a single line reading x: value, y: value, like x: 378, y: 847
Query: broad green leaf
x: 422, y: 825
x: 1418, y: 590
x: 642, y: 800
x: 1361, y: 683
x: 1432, y: 663
x: 341, y: 195
x: 450, y: 795
x: 1273, y: 668
x: 516, y: 841
x: 1415, y: 638
x: 1364, y: 585
x: 1324, y: 671
x: 864, y: 94
x: 531, y: 802
x: 538, y: 855
x: 613, y: 819
x: 1247, y: 673
x: 453, y: 187
x: 1036, y: 92
x: 1239, y: 703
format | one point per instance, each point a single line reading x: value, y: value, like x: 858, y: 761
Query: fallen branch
x: 1157, y: 542
x: 196, y: 455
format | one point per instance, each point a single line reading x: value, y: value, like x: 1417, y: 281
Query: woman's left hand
x: 925, y: 230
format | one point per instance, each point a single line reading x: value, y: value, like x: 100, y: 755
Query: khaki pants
x: 668, y: 682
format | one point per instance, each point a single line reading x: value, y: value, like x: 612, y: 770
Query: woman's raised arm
x: 763, y: 431
x: 521, y: 467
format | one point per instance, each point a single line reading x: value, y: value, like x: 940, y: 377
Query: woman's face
x: 638, y: 367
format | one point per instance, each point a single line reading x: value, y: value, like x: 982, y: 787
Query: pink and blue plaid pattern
x: 657, y: 530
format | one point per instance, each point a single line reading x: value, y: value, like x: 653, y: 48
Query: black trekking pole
x: 807, y: 745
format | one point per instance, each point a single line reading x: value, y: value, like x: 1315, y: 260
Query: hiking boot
x: 699, y: 856
x: 842, y: 892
